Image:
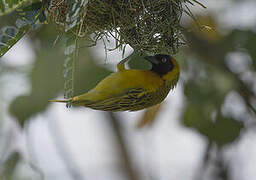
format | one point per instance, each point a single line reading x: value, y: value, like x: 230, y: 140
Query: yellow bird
x: 132, y: 89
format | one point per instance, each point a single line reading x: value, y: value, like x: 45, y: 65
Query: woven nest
x: 146, y: 25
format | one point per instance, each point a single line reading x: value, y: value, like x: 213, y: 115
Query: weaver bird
x: 132, y: 89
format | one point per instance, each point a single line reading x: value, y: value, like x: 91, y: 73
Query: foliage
x: 147, y: 26
x: 242, y: 40
x: 206, y: 77
x: 69, y: 65
x: 205, y: 97
x: 28, y: 18
x: 37, y: 100
x: 7, y: 6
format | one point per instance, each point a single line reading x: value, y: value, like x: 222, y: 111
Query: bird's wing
x: 133, y: 99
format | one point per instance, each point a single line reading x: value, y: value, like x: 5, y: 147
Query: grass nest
x: 151, y: 26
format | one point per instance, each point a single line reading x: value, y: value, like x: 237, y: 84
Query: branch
x: 205, y: 163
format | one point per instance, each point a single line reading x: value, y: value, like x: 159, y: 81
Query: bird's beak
x: 152, y: 59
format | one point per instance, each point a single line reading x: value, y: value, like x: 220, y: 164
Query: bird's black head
x: 161, y: 63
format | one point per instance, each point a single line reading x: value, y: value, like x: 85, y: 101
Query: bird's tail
x: 61, y: 101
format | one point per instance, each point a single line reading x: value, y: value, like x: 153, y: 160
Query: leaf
x: 88, y: 74
x: 242, y: 40
x: 44, y: 87
x: 30, y: 16
x: 9, y: 3
x: 69, y: 65
x: 226, y: 130
x: 137, y: 61
x: 9, y: 6
x: 46, y: 77
x: 2, y: 6
x: 33, y: 14
x: 10, y: 35
x: 198, y: 117
x: 221, y: 130
x: 74, y: 15
x: 205, y: 96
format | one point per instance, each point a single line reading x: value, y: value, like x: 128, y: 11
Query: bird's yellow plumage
x: 121, y: 81
x: 131, y: 89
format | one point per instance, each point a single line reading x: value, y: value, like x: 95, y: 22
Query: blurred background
x: 204, y: 130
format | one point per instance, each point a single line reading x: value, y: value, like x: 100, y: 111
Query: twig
x: 205, y: 163
x: 114, y: 121
x: 201, y: 4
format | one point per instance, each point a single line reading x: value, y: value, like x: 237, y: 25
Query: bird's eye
x: 164, y: 60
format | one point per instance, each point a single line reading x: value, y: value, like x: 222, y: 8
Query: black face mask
x: 161, y: 63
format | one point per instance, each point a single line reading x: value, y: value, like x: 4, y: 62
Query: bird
x: 132, y: 89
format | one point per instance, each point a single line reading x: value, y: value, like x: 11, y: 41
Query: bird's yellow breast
x: 121, y: 81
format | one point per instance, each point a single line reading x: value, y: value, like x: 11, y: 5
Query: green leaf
x: 10, y: 35
x: 73, y: 75
x: 205, y: 96
x: 69, y: 65
x: 74, y: 15
x: 219, y: 129
x: 49, y: 64
x: 44, y: 87
x: 9, y: 3
x: 242, y: 40
x: 198, y: 117
x: 137, y: 61
x: 46, y: 78
x: 2, y: 6
x: 33, y: 14
x: 226, y: 130
x: 88, y: 74
x: 30, y: 17
x: 9, y: 6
